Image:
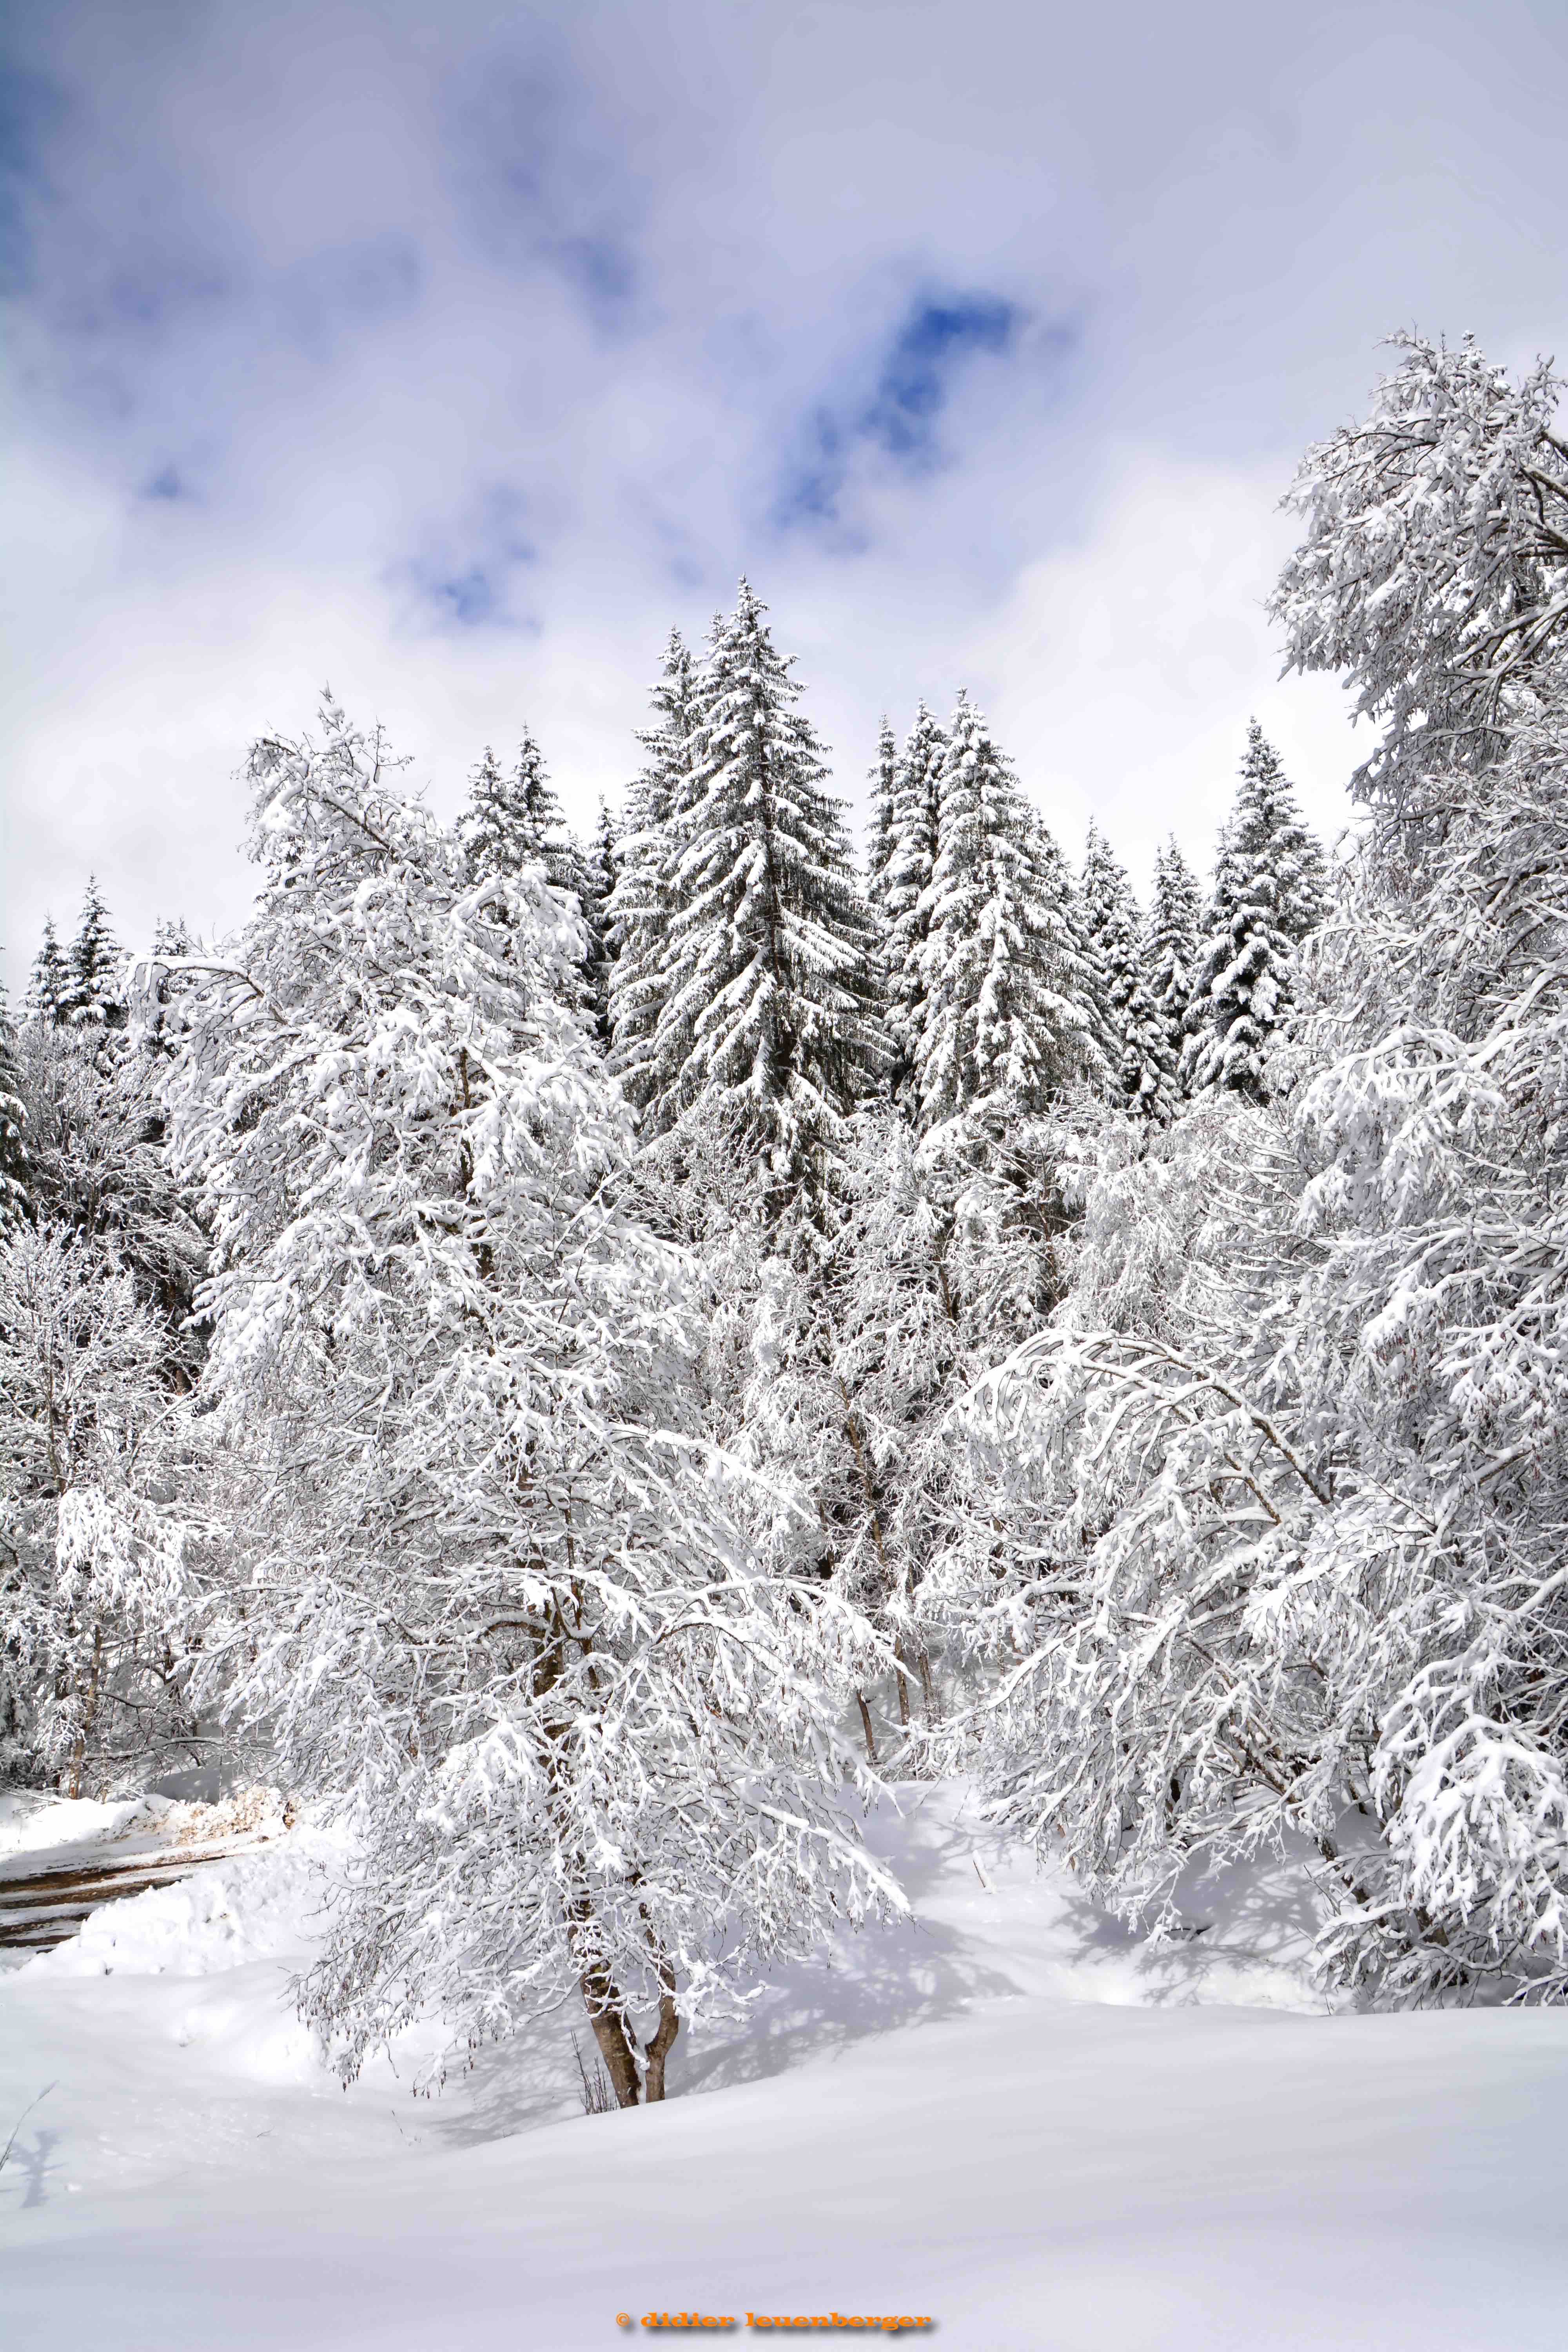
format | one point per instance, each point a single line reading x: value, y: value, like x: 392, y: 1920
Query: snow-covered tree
x: 501, y: 1593
x: 1269, y: 893
x: 639, y: 908
x: 914, y: 818
x: 1135, y: 1044
x: 98, y: 1166
x: 883, y: 780
x: 767, y: 979
x: 1005, y: 1013
x: 515, y: 820
x: 1433, y: 574
x: 107, y: 1550
x: 600, y: 867
x: 50, y: 988
x: 1171, y: 944
x: 1262, y: 1533
x: 95, y: 994
x: 14, y: 1170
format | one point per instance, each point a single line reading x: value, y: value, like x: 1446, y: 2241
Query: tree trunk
x: 609, y: 2024
x: 866, y: 1727
x: 660, y: 2047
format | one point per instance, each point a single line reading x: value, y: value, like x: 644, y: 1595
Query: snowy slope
x: 1008, y: 2116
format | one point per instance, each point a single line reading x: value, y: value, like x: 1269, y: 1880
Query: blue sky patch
x: 934, y: 343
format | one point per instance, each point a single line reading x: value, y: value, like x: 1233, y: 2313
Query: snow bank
x: 1009, y: 2114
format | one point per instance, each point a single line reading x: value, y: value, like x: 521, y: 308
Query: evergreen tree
x: 12, y: 1125
x: 640, y: 906
x: 94, y: 993
x: 516, y: 821
x: 1269, y: 893
x: 913, y: 827
x: 883, y: 780
x: 768, y: 977
x: 600, y: 866
x: 1171, y: 947
x: 1138, y: 1053
x: 1005, y: 1018
x: 50, y: 988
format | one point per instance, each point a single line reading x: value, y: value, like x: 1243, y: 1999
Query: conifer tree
x: 94, y: 997
x: 768, y: 976
x: 1140, y: 1063
x: 1269, y: 893
x: 884, y: 780
x: 640, y: 905
x: 1171, y: 945
x: 12, y: 1125
x: 1005, y: 1018
x: 513, y: 822
x: 906, y: 902
x: 599, y: 871
x: 51, y: 985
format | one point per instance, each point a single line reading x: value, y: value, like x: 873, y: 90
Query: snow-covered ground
x: 1008, y: 2116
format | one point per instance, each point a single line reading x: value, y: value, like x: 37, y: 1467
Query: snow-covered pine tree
x: 95, y: 994
x: 1269, y: 893
x: 502, y: 1597
x: 640, y: 906
x: 514, y: 821
x: 913, y: 827
x: 50, y: 988
x: 1005, y: 1013
x: 1171, y: 947
x: 14, y: 1170
x: 600, y: 867
x: 883, y: 780
x: 769, y: 980
x: 1141, y: 1066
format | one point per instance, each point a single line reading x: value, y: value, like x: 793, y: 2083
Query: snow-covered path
x: 1007, y: 2116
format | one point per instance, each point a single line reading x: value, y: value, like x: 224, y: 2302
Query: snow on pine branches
x: 760, y: 983
x: 1005, y: 981
x: 497, y: 1592
x: 1268, y: 894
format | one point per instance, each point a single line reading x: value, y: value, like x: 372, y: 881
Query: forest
x: 586, y: 1359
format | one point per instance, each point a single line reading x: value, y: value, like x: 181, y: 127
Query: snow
x: 1008, y: 2115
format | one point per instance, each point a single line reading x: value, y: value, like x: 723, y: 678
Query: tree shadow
x: 29, y: 2161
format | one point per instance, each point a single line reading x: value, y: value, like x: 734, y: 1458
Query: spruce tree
x: 906, y: 902
x: 768, y: 977
x: 599, y: 871
x: 1141, y: 1064
x: 14, y: 1197
x: 1269, y: 893
x: 94, y: 998
x: 515, y: 820
x: 1172, y: 946
x: 883, y: 780
x: 50, y: 988
x: 1005, y: 1017
x: 641, y: 903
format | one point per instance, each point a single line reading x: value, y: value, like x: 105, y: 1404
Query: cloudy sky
x: 451, y: 354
